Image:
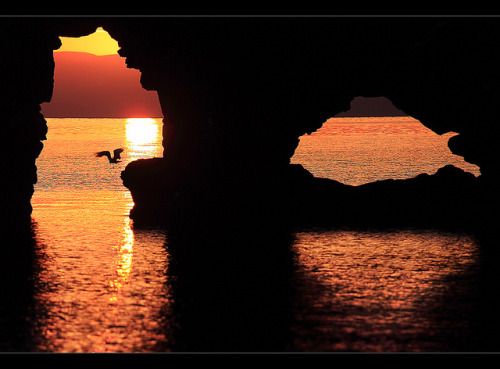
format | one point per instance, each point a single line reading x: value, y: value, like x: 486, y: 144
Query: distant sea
x: 359, y: 150
x: 102, y: 285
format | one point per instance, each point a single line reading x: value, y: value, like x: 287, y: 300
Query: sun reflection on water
x: 142, y: 135
x: 103, y: 285
x: 123, y: 262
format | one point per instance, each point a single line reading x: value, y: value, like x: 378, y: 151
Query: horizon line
x: 121, y: 117
x: 152, y: 117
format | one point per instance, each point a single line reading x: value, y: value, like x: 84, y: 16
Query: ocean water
x: 103, y: 286
x: 95, y: 295
x: 360, y: 150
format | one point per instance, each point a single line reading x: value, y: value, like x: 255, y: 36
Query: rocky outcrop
x: 26, y: 75
x: 448, y: 199
x: 236, y: 94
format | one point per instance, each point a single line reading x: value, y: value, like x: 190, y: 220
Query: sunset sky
x: 92, y: 81
x: 97, y: 43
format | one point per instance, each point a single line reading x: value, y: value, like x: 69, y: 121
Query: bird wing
x: 103, y: 153
x: 117, y: 153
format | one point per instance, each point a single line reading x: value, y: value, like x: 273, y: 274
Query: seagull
x: 116, y: 155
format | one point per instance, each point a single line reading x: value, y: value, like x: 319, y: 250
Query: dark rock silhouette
x: 371, y: 107
x: 237, y: 93
x: 450, y: 198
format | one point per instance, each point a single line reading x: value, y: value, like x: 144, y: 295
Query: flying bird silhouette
x: 116, y: 155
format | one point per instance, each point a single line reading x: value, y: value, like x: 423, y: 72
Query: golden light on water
x: 123, y: 262
x: 101, y: 288
x: 141, y: 131
x: 105, y: 286
x: 367, y: 285
x: 97, y: 293
x: 124, y: 252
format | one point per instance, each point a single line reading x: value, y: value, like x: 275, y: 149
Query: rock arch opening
x: 375, y: 141
x: 160, y: 49
x: 98, y: 104
x: 91, y: 80
x: 418, y: 69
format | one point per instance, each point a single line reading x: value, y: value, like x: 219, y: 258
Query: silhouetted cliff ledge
x: 293, y: 197
x: 245, y: 89
x: 450, y: 198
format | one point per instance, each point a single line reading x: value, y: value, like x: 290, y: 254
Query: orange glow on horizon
x: 97, y: 43
x: 140, y: 120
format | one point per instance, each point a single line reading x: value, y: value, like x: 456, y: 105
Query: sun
x: 97, y: 43
x: 141, y: 131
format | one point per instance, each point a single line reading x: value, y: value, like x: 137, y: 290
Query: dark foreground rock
x: 450, y: 198
x: 243, y: 90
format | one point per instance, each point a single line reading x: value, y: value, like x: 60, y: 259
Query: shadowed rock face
x: 237, y: 93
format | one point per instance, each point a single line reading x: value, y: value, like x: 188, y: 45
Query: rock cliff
x: 237, y: 93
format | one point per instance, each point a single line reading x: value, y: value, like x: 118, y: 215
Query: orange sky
x: 92, y: 81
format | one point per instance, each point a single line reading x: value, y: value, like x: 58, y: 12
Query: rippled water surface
x: 403, y: 290
x: 104, y: 286
x: 361, y: 150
